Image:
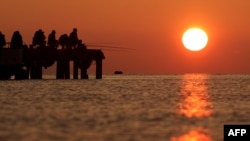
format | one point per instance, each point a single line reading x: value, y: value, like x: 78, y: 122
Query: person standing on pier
x: 2, y: 40
x: 16, y: 40
x: 63, y: 41
x: 52, y: 42
x: 73, y: 38
x: 39, y: 38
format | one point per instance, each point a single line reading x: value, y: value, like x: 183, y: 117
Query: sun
x: 195, y: 39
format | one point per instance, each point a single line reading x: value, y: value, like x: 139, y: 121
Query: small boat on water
x: 118, y: 72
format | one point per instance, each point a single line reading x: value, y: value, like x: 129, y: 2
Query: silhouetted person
x: 2, y: 40
x: 39, y: 38
x: 52, y: 42
x: 73, y: 38
x: 16, y: 40
x: 81, y: 46
x: 64, y: 41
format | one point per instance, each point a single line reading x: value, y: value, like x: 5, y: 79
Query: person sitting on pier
x: 63, y: 41
x: 81, y: 45
x: 73, y: 38
x: 39, y: 38
x: 2, y: 40
x: 16, y: 40
x: 52, y: 42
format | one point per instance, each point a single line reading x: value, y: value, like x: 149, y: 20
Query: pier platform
x: 27, y: 63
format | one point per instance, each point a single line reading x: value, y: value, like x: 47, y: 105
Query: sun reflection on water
x: 193, y: 135
x: 195, y: 99
x: 194, y: 103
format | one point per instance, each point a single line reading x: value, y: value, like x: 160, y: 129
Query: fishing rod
x: 101, y: 43
x: 107, y: 46
x: 114, y: 50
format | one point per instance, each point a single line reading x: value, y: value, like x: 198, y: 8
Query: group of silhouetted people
x: 64, y: 40
x: 39, y: 39
x: 16, y: 40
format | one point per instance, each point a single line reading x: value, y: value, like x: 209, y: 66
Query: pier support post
x: 28, y: 72
x: 4, y: 73
x: 84, y: 74
x: 63, y: 66
x: 62, y: 69
x: 66, y: 69
x: 59, y: 70
x: 36, y: 70
x: 75, y: 69
x: 99, y: 69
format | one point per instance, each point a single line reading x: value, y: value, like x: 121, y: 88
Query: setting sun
x: 195, y: 39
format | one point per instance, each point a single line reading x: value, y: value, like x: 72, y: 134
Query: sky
x: 152, y: 30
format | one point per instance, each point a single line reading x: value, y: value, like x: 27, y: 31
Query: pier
x: 27, y: 63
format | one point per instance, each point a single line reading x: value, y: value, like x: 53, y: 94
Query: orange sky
x: 152, y: 28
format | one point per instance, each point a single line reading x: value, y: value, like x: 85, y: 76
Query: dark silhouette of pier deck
x: 27, y: 63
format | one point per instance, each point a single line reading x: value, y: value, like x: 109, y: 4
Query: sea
x: 176, y: 107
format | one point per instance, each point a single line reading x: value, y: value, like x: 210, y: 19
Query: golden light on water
x: 193, y: 135
x: 195, y: 99
x: 194, y: 103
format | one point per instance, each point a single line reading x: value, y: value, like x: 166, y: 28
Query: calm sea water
x: 190, y: 107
